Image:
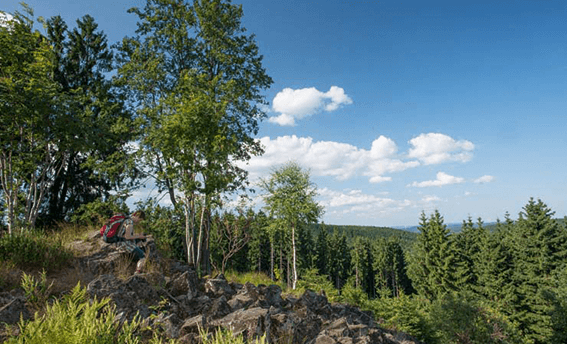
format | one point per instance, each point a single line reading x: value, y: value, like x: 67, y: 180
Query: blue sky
x: 406, y: 106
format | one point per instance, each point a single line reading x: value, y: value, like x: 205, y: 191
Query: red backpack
x: 109, y: 230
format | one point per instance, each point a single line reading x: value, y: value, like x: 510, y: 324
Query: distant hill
x: 406, y: 237
x: 453, y: 227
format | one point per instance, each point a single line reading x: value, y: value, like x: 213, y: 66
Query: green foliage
x: 35, y: 289
x: 92, y: 128
x: 290, y: 199
x: 459, y: 320
x: 353, y: 295
x: 406, y: 238
x: 539, y: 248
x: 196, y: 83
x: 252, y: 277
x: 76, y: 320
x: 558, y: 299
x: 27, y: 114
x: 310, y: 279
x: 390, y: 267
x: 33, y: 250
x: 404, y: 313
x: 166, y: 225
x: 433, y: 265
x: 97, y: 212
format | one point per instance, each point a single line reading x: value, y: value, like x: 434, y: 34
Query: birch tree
x: 290, y: 198
x: 27, y: 112
x: 196, y: 78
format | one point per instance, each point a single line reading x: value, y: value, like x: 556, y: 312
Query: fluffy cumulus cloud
x: 484, y: 179
x: 329, y: 158
x: 344, y: 161
x: 356, y: 201
x: 296, y: 104
x: 442, y: 179
x: 436, y: 148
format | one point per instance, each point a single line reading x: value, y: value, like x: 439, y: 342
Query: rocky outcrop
x: 181, y: 306
x: 253, y: 311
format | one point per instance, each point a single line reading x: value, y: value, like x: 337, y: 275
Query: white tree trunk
x: 294, y: 265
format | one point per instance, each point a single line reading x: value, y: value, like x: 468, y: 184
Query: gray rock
x: 12, y: 311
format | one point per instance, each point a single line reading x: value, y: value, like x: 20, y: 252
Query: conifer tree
x: 322, y: 251
x: 390, y: 267
x: 468, y: 244
x: 496, y: 264
x: 539, y: 249
x: 339, y: 259
x: 362, y: 264
x: 433, y: 267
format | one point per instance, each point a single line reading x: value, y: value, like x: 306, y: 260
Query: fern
x: 76, y: 320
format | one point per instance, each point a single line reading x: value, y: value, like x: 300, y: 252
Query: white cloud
x: 333, y: 159
x: 350, y: 201
x: 283, y: 120
x: 442, y: 179
x: 484, y: 179
x: 430, y: 199
x: 436, y: 148
x: 329, y: 158
x: 297, y: 104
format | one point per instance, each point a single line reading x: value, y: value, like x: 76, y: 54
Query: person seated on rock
x: 127, y: 240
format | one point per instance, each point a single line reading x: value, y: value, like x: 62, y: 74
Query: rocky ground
x: 172, y: 299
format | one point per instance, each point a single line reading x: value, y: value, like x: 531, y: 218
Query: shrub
x: 403, y: 313
x: 310, y: 279
x: 460, y: 319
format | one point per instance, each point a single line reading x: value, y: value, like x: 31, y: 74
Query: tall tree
x: 339, y: 262
x: 390, y: 267
x: 290, y: 198
x: 363, y: 265
x: 196, y: 78
x: 468, y: 244
x: 322, y: 251
x: 93, y: 158
x: 540, y: 250
x: 433, y: 267
x: 496, y: 264
x: 27, y: 118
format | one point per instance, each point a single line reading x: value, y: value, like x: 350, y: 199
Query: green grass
x: 34, y: 250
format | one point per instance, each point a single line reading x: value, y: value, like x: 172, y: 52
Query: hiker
x: 120, y: 230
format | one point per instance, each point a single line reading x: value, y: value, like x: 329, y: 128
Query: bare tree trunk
x: 199, y: 241
x: 287, y: 274
x: 188, y: 236
x: 294, y: 267
x: 272, y: 259
x: 10, y: 190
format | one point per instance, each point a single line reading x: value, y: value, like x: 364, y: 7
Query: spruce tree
x: 433, y: 267
x: 496, y: 265
x: 539, y: 248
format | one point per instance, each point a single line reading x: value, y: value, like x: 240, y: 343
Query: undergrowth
x: 255, y: 278
x: 33, y: 251
x: 75, y: 320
